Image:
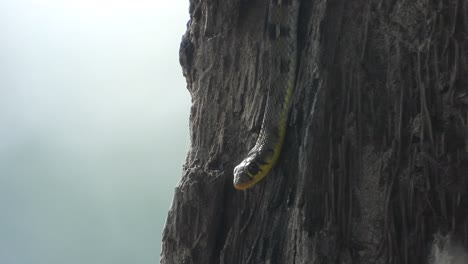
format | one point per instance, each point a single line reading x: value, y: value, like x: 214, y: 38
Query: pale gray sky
x: 93, y: 128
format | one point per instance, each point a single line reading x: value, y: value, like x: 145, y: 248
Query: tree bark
x: 375, y: 161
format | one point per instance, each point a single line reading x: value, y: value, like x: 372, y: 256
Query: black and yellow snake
x: 282, y: 31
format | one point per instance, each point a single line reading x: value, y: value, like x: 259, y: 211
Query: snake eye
x: 253, y: 168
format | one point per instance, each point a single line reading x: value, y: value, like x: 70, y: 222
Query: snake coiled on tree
x: 282, y: 30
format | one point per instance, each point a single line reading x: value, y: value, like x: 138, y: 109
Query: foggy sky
x: 93, y: 128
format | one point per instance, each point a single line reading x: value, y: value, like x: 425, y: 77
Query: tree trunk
x: 375, y: 163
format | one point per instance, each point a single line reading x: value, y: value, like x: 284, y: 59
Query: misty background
x: 93, y: 128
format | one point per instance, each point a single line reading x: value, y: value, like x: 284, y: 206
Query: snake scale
x: 281, y: 29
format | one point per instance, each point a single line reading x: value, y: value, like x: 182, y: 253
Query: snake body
x: 282, y: 32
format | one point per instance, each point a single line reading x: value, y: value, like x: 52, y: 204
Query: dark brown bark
x: 376, y: 155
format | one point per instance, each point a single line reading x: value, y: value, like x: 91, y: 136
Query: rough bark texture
x: 376, y: 154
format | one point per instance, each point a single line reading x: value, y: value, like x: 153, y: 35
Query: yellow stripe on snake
x: 282, y: 32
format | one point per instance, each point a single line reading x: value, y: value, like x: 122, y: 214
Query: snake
x: 281, y: 29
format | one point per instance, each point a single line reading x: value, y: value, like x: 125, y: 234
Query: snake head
x: 247, y: 173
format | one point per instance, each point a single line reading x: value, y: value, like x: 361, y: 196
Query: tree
x: 375, y: 162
